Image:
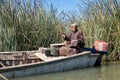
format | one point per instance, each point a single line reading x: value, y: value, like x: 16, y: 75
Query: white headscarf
x: 74, y: 24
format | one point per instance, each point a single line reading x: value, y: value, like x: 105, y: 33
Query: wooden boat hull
x: 82, y: 60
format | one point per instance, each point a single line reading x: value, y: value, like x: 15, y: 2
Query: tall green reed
x: 101, y: 20
x: 26, y: 26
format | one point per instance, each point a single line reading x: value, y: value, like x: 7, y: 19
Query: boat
x: 26, y: 63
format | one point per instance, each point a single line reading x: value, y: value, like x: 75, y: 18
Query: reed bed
x: 101, y: 20
x: 28, y: 24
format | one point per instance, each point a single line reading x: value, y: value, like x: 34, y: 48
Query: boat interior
x: 18, y: 58
x: 27, y: 57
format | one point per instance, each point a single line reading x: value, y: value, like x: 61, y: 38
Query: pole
x: 3, y: 77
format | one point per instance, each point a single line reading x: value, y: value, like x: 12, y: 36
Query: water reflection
x: 109, y: 72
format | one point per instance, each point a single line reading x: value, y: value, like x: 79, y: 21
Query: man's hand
x: 63, y: 35
x: 74, y: 43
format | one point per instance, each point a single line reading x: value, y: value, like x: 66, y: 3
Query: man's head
x: 74, y: 27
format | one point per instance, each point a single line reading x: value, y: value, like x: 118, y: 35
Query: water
x: 109, y: 72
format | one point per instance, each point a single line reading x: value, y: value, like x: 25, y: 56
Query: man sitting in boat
x: 74, y: 43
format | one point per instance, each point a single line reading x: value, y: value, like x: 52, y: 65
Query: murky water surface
x: 109, y: 72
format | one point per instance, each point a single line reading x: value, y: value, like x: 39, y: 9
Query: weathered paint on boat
x: 82, y: 60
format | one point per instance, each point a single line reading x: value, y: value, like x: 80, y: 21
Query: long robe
x: 76, y: 45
